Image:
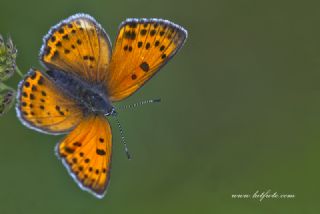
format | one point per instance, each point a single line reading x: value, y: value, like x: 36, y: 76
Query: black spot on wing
x: 144, y: 66
x: 100, y: 152
x: 61, y: 31
x: 77, y: 144
x: 68, y: 150
x: 130, y: 35
x: 143, y: 32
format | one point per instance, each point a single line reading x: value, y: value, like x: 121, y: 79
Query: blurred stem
x: 4, y: 87
x: 19, y: 72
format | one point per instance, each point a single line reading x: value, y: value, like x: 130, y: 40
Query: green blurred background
x: 240, y: 113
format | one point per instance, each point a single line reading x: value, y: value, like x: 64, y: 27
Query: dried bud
x: 7, y: 98
x: 8, y: 55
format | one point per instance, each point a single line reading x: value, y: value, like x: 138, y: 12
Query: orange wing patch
x: 142, y: 47
x: 42, y: 106
x: 78, y: 45
x: 86, y: 152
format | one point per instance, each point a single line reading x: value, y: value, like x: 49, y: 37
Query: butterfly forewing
x: 43, y: 106
x: 141, y: 48
x: 78, y: 45
x: 86, y: 152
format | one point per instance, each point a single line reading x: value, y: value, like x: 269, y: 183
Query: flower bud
x: 7, y: 98
x: 8, y: 55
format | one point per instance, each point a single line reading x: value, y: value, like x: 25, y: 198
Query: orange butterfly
x: 83, y: 77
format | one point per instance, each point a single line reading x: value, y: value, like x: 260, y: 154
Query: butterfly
x: 83, y: 76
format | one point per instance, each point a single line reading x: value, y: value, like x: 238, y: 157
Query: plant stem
x: 19, y: 72
x: 4, y: 87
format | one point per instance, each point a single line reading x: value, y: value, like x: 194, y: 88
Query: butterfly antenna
x: 123, y: 139
x: 134, y: 105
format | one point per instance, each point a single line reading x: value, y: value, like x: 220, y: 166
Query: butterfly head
x: 96, y: 103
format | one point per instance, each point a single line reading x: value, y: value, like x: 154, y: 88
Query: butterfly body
x: 90, y: 97
x: 83, y: 76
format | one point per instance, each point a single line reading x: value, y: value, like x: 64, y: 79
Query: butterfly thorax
x: 91, y: 97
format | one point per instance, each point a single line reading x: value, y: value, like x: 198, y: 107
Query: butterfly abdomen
x: 91, y: 97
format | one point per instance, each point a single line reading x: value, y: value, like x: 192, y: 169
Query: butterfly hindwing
x: 78, y: 45
x: 44, y: 107
x: 142, y: 47
x: 86, y: 152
